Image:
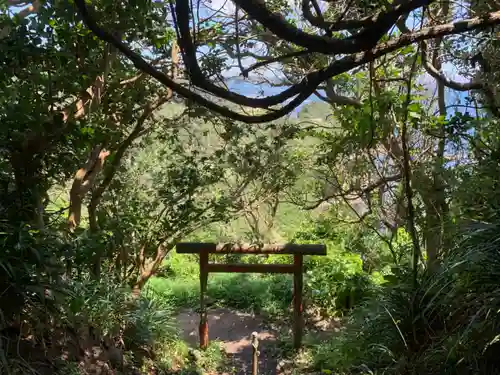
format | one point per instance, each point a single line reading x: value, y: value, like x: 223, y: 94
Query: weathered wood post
x: 203, y: 329
x: 255, y: 352
x: 298, y: 262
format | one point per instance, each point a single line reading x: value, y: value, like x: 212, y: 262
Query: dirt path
x: 234, y: 328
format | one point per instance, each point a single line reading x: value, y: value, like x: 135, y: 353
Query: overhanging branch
x: 436, y: 73
x: 336, y: 99
x: 440, y: 77
x: 300, y: 91
x: 272, y: 60
x: 353, y: 194
x: 198, y: 79
x: 373, y: 28
x: 328, y: 26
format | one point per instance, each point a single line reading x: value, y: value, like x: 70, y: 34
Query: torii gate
x: 298, y: 251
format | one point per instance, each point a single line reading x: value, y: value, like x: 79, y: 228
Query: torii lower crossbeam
x: 298, y: 252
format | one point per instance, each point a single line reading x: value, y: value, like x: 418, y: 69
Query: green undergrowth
x: 333, y: 284
x: 270, y: 295
x: 179, y: 284
x: 448, y: 323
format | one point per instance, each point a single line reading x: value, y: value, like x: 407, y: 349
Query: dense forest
x: 372, y: 127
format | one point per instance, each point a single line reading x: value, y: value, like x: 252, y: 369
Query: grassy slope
x: 267, y: 293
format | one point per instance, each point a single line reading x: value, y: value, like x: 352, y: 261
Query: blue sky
x: 262, y: 89
x: 251, y: 89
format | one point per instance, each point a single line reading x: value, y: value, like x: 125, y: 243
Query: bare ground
x: 233, y: 329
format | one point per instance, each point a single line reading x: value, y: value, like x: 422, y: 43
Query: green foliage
x: 114, y: 312
x: 447, y: 326
x: 180, y: 173
x: 336, y: 283
x: 29, y: 266
x: 377, y: 334
x: 30, y: 292
x: 271, y: 295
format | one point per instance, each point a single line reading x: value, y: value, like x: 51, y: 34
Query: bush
x: 336, y: 282
x: 379, y: 334
x: 266, y: 294
x: 448, y: 325
x: 29, y: 284
x: 355, y: 239
x: 112, y: 312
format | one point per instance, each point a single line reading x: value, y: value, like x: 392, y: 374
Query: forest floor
x: 233, y: 329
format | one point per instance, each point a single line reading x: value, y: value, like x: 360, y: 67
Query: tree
x: 388, y: 155
x: 113, y: 115
x: 183, y: 175
x: 344, y: 43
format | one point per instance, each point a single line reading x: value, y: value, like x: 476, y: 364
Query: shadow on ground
x: 234, y: 328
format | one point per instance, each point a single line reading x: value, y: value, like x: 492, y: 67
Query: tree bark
x: 30, y: 189
x: 437, y: 207
x: 148, y: 269
x: 82, y: 182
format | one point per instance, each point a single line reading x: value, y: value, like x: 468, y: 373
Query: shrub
x: 270, y: 294
x: 113, y: 312
x: 335, y: 283
x: 377, y: 334
x: 449, y: 324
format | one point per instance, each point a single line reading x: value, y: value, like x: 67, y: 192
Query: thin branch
x: 237, y: 35
x: 436, y: 73
x: 441, y: 78
x: 334, y: 98
x: 298, y: 92
x: 407, y: 179
x: 271, y: 60
x: 374, y: 28
x: 317, y: 20
x: 359, y: 193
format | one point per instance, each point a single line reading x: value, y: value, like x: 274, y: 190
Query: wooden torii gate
x: 298, y: 251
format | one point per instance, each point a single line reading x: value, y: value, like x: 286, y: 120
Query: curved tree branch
x: 352, y: 194
x: 373, y: 28
x: 334, y: 98
x: 271, y: 60
x: 436, y: 73
x: 144, y: 66
x: 318, y: 20
x: 198, y: 79
x: 439, y: 76
x: 301, y: 90
x: 329, y: 26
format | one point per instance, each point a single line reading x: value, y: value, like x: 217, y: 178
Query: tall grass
x: 271, y: 295
x: 450, y: 324
x: 334, y: 284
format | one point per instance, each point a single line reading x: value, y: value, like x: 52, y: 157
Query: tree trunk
x: 30, y: 190
x: 148, y: 269
x: 432, y: 238
x: 84, y: 179
x: 436, y: 219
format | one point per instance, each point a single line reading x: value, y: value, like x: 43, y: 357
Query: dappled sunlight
x: 233, y: 329
x: 322, y: 173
